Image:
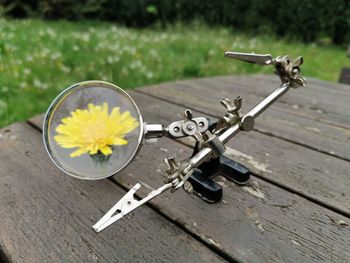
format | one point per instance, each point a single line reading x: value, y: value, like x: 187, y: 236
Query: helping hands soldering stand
x: 195, y: 174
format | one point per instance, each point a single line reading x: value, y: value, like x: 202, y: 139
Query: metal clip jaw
x: 286, y: 69
x: 127, y: 204
x: 265, y: 59
x: 177, y: 177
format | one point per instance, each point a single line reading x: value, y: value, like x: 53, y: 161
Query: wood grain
x: 290, y: 118
x: 257, y: 223
x: 46, y: 216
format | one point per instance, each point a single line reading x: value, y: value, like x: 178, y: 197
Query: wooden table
x: 295, y: 209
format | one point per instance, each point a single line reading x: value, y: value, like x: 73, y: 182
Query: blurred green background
x: 47, y: 45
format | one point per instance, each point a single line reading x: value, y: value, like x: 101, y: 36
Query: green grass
x: 39, y: 58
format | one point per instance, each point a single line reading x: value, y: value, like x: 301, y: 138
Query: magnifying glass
x: 92, y: 130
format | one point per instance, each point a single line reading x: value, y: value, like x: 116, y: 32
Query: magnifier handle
x: 152, y: 130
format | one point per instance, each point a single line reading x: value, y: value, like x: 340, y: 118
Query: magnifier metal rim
x: 58, y: 99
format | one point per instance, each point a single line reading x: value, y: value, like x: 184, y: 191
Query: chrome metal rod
x: 265, y: 103
x: 200, y: 157
x: 205, y: 153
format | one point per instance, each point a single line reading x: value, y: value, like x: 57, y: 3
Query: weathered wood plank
x: 257, y: 223
x: 313, y: 83
x: 310, y: 173
x: 309, y: 95
x: 226, y: 230
x: 204, y: 95
x: 315, y: 100
x: 46, y: 216
x: 313, y: 174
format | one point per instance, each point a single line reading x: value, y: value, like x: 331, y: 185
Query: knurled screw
x: 190, y: 127
x: 232, y: 107
x: 171, y: 165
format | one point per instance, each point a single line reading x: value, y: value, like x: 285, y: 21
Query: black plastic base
x: 202, y: 178
x: 207, y: 188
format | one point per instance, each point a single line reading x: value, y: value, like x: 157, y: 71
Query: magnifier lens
x: 92, y: 130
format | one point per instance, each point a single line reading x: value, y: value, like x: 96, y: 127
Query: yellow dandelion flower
x: 93, y: 129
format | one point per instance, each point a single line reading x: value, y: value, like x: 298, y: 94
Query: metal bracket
x: 187, y: 127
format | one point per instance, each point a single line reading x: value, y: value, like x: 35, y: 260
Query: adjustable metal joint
x: 233, y: 113
x: 177, y: 174
x: 187, y: 127
x: 289, y: 71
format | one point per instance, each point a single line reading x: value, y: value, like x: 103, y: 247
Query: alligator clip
x: 266, y: 59
x: 127, y: 204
